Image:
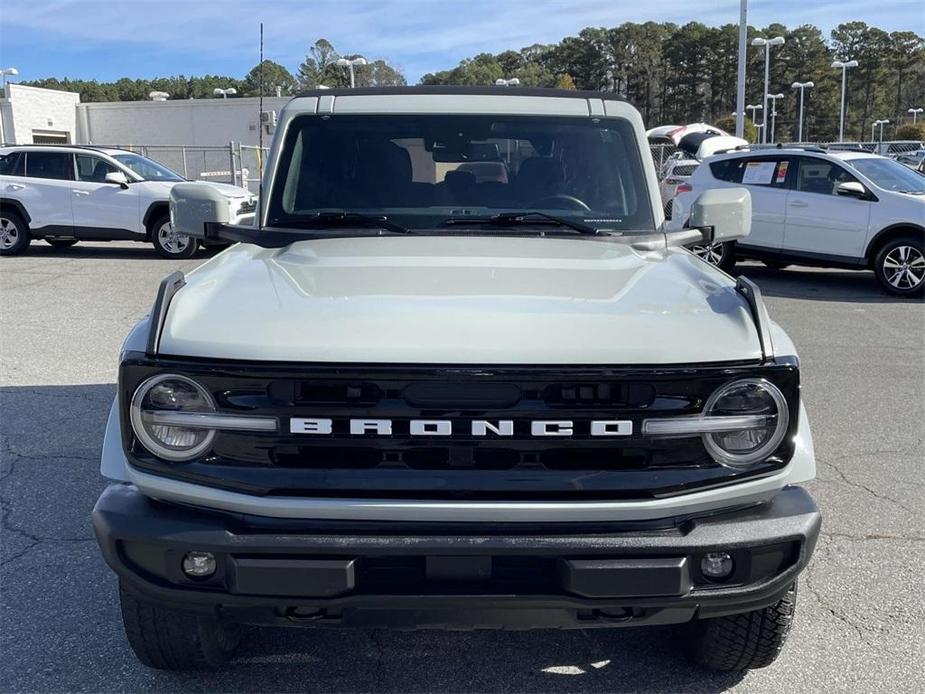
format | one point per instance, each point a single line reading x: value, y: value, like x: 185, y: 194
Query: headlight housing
x: 753, y: 400
x: 158, y: 397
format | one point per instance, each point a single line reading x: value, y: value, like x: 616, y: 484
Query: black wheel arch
x: 154, y: 212
x: 9, y: 203
x: 890, y: 232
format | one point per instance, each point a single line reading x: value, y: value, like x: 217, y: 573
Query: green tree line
x: 683, y: 74
x: 673, y: 74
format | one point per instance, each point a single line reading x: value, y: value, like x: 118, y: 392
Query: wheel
x: 14, y: 233
x: 168, y: 639
x: 60, y: 243
x: 168, y: 243
x: 900, y: 266
x: 775, y: 264
x: 722, y: 255
x: 741, y: 641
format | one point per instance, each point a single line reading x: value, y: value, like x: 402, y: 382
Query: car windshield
x: 148, y: 169
x: 890, y: 175
x: 434, y: 171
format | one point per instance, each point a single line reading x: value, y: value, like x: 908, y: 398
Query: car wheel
x: 168, y: 639
x: 900, y: 266
x: 740, y: 641
x: 14, y: 233
x: 60, y: 243
x: 722, y: 255
x: 170, y: 244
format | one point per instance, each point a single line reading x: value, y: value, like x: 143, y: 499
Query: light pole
x: 513, y: 82
x: 767, y: 43
x: 915, y: 112
x: 9, y: 72
x: 773, y: 99
x: 873, y: 125
x: 843, y: 65
x: 740, y: 71
x: 224, y: 92
x: 753, y: 108
x: 351, y: 63
x: 802, y: 86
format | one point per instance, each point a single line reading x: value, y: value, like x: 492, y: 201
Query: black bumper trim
x: 619, y: 575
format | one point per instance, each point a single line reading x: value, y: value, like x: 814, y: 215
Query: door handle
x: 798, y: 203
x: 81, y: 193
x: 15, y: 186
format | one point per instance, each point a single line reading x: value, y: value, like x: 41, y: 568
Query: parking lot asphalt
x: 861, y: 611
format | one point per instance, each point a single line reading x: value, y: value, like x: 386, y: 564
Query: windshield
x: 890, y: 175
x: 422, y: 171
x: 148, y: 169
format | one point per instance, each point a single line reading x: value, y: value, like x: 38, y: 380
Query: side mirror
x: 193, y: 206
x: 116, y: 177
x: 723, y: 214
x: 852, y: 189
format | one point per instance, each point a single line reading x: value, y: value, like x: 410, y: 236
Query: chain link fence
x: 233, y: 163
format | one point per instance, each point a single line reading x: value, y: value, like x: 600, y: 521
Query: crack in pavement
x: 817, y: 594
x: 34, y: 541
x: 859, y: 485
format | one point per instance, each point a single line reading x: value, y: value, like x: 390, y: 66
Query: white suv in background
x: 66, y: 194
x: 676, y: 172
x: 815, y: 207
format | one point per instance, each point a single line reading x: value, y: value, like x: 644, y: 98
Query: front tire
x: 744, y: 641
x: 14, y: 233
x: 170, y: 244
x: 775, y: 264
x: 167, y: 639
x: 900, y: 266
x: 722, y: 255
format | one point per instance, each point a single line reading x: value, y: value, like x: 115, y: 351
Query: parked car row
x: 67, y: 194
x: 810, y: 206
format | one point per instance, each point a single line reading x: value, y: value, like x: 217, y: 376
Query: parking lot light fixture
x: 843, y: 65
x: 767, y: 43
x: 224, y: 92
x: 4, y: 73
x: 881, y: 122
x: 753, y: 108
x: 350, y: 63
x: 915, y: 112
x: 802, y: 86
x: 513, y: 82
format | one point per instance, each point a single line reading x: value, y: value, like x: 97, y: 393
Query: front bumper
x: 455, y: 575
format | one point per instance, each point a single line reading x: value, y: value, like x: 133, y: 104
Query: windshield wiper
x: 341, y: 218
x: 504, y: 219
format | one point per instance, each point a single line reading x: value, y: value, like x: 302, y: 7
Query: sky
x: 89, y: 39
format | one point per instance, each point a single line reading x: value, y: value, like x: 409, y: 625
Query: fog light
x: 199, y: 564
x: 716, y: 565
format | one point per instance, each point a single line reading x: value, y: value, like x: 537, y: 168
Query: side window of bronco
x: 13, y: 164
x: 772, y: 172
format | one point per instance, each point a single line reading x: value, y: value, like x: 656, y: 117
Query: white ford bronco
x: 458, y: 375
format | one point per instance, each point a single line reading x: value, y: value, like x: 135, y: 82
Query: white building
x: 29, y: 115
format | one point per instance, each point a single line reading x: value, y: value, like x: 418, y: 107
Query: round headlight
x: 164, y: 394
x: 745, y: 447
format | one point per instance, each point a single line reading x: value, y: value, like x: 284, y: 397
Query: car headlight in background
x: 175, y: 418
x: 742, y: 423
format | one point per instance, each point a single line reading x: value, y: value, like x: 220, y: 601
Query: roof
x: 450, y: 90
x: 810, y: 151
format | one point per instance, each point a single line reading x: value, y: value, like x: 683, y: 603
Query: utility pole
x: 740, y: 74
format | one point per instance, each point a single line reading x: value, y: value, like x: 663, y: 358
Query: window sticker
x: 782, y: 172
x: 759, y: 172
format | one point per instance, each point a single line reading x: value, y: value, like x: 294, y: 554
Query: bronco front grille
x: 398, y: 464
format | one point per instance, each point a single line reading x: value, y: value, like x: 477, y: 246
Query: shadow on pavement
x: 795, y: 282
x: 117, y: 250
x: 61, y: 627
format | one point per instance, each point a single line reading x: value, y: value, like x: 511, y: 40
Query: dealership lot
x: 862, y: 609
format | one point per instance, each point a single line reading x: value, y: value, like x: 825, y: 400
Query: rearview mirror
x: 195, y: 205
x: 116, y: 177
x: 852, y: 189
x: 723, y: 214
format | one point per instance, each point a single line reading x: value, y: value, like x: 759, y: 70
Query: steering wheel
x: 574, y: 202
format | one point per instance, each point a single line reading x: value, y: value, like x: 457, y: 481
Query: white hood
x: 459, y: 300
